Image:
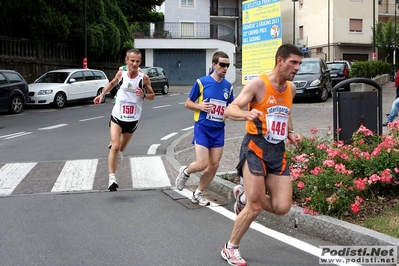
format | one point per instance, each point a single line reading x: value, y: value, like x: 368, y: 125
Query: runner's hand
x: 253, y: 114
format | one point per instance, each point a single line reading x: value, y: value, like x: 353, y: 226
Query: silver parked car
x: 60, y: 86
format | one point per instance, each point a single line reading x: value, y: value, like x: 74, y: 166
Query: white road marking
x: 182, y: 103
x: 76, y: 176
x: 52, y: 127
x: 187, y: 128
x: 175, y: 94
x: 148, y: 172
x: 93, y: 118
x: 75, y: 107
x: 169, y: 136
x: 161, y: 106
x: 15, y: 135
x: 11, y: 175
x: 298, y: 244
x: 47, y: 111
x: 153, y: 149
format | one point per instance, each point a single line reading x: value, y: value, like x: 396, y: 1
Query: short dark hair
x: 217, y: 55
x: 285, y: 50
x: 135, y: 51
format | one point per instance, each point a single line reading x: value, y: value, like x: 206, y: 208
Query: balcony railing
x: 224, y: 12
x: 183, y: 30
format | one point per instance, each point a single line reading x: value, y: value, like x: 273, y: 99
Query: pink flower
x: 360, y: 184
x: 338, y: 184
x: 316, y: 171
x: 308, y: 199
x: 314, y: 130
x: 329, y: 163
x: 373, y: 178
x: 355, y: 208
x: 358, y: 201
x: 300, y: 185
x: 386, y: 176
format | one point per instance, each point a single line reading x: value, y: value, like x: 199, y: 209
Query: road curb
x: 325, y: 227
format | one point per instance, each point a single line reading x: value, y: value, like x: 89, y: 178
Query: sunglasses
x: 224, y: 64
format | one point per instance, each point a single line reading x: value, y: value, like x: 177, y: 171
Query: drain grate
x: 173, y: 194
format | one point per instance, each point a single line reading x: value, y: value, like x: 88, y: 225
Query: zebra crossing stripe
x: 76, y: 176
x: 148, y: 172
x: 11, y: 175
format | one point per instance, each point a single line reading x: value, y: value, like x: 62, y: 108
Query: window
x: 99, y: 75
x: 2, y: 79
x: 355, y: 25
x: 13, y: 77
x: 89, y: 75
x: 187, y: 3
x: 78, y: 76
x: 187, y: 30
x: 300, y: 33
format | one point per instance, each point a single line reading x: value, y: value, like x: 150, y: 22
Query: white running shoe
x: 200, y: 199
x: 112, y: 184
x: 232, y: 256
x: 238, y: 190
x: 181, y: 179
x: 120, y: 157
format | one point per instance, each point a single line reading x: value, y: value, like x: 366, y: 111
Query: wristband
x: 102, y: 94
x: 291, y: 131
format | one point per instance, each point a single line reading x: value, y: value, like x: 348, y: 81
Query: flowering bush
x: 333, y: 178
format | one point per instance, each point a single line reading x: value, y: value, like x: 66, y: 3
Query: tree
x: 385, y: 38
x: 141, y: 10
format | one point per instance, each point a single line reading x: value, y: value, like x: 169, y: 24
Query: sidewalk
x: 181, y: 152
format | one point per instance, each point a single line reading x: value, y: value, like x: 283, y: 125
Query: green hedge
x: 369, y: 69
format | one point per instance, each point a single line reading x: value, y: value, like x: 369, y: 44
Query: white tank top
x: 128, y: 105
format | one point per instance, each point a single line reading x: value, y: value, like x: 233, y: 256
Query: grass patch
x: 387, y: 222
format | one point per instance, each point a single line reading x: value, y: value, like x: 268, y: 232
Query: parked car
x: 13, y: 91
x: 313, y: 79
x: 339, y: 71
x: 158, y: 77
x: 58, y: 87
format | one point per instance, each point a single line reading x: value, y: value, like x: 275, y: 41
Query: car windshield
x: 336, y: 66
x: 309, y: 68
x: 53, y: 77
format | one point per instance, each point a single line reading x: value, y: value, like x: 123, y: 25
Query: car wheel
x: 16, y: 104
x: 59, y: 100
x: 99, y: 92
x: 165, y: 89
x: 324, y: 94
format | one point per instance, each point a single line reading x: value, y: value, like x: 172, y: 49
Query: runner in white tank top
x: 127, y: 109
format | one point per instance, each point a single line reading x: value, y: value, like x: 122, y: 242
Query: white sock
x: 197, y: 192
x: 112, y: 176
x: 231, y: 245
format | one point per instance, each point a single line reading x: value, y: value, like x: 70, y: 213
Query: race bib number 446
x: 277, y: 128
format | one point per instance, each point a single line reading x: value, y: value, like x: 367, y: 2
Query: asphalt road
x: 136, y: 225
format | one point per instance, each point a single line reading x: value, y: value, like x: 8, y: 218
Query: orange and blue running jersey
x: 276, y: 107
x: 220, y: 94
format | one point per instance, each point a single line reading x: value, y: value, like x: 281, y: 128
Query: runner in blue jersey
x: 208, y: 98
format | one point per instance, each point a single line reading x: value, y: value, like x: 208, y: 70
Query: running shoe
x: 200, y: 199
x: 120, y: 157
x: 237, y: 192
x: 112, y: 184
x: 233, y: 256
x: 181, y: 179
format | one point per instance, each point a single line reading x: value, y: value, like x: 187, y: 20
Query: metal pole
x: 328, y: 31
x: 293, y: 22
x: 374, y: 54
x: 85, y: 35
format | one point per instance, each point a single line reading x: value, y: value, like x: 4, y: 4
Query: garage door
x: 183, y: 67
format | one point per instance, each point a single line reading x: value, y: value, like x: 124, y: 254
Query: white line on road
x: 267, y: 231
x: 161, y: 106
x: 169, y: 136
x: 47, y: 111
x: 11, y: 175
x: 52, y: 127
x: 76, y: 176
x: 15, y: 135
x: 93, y: 118
x: 153, y: 149
x: 182, y: 103
x: 143, y: 174
x: 187, y: 128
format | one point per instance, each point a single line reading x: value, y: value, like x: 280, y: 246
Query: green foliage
x: 63, y: 21
x: 332, y: 178
x: 385, y: 38
x: 369, y: 69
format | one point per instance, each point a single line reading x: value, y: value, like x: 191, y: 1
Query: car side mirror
x: 72, y: 80
x: 328, y: 70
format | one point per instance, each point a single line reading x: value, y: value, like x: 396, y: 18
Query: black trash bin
x: 355, y: 108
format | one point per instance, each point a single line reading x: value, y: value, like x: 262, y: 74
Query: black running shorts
x: 127, y: 127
